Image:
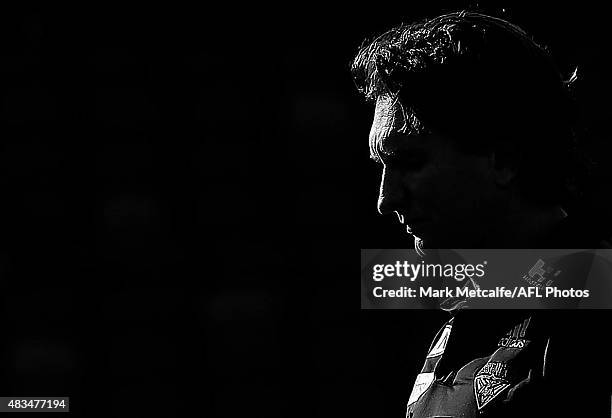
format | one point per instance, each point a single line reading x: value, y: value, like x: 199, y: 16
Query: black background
x: 185, y: 191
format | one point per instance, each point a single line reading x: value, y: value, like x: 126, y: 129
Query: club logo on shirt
x: 489, y: 382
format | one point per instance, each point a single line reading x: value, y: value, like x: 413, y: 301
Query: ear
x: 503, y: 168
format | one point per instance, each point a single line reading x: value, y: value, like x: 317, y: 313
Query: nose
x: 392, y: 194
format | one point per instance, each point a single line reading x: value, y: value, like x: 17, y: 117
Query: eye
x: 377, y: 161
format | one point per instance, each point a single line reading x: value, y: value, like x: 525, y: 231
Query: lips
x: 405, y: 220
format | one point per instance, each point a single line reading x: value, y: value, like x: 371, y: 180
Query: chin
x: 424, y: 242
x: 419, y: 246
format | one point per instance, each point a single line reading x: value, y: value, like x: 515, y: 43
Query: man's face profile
x: 443, y: 196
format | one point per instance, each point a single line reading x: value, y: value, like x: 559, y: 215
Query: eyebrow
x: 374, y: 155
x: 376, y: 151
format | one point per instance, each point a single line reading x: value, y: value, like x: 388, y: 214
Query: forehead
x: 390, y: 129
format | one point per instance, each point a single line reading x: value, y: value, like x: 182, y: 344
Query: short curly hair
x: 485, y: 83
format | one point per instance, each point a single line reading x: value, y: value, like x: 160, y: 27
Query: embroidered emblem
x: 489, y: 382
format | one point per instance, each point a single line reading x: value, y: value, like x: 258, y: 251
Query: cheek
x: 428, y: 190
x: 447, y: 190
x: 471, y: 193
